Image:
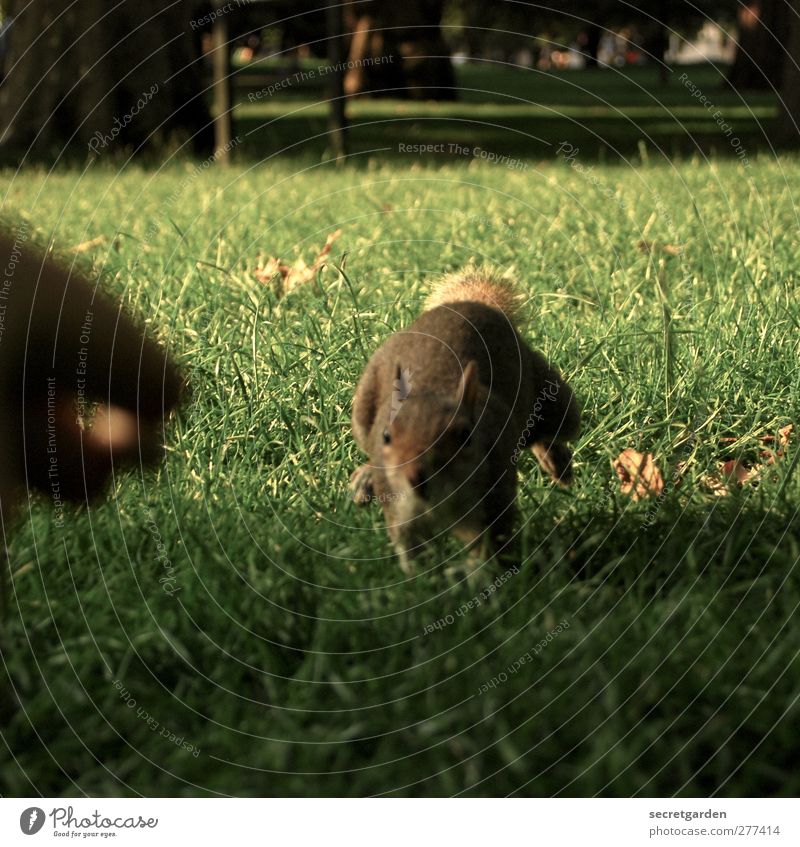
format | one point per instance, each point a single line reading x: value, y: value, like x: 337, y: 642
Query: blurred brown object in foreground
x: 82, y: 389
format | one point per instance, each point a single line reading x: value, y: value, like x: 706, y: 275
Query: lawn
x: 295, y: 658
x: 514, y: 111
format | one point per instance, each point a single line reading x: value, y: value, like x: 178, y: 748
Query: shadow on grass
x: 607, y: 115
x: 737, y: 538
x: 672, y: 673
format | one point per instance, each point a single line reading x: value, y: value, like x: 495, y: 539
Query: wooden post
x: 337, y: 120
x: 221, y: 64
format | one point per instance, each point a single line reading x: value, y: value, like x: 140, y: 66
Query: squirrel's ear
x: 402, y: 382
x: 468, y: 387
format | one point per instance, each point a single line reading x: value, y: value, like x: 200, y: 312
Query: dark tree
x: 763, y: 27
x: 407, y: 33
x: 93, y: 75
x: 593, y: 35
x: 789, y: 127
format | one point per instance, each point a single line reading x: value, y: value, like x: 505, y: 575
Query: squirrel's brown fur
x: 64, y: 346
x: 478, y: 285
x: 445, y: 407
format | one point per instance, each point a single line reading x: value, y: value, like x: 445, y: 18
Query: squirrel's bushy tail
x: 477, y: 285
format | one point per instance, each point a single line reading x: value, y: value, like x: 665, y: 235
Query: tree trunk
x: 397, y: 49
x: 337, y: 121
x: 758, y: 64
x: 95, y: 77
x: 221, y: 65
x: 659, y: 51
x: 789, y: 121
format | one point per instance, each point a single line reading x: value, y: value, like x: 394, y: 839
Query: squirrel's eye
x: 387, y: 436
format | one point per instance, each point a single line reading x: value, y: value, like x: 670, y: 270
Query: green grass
x: 515, y: 111
x: 295, y: 655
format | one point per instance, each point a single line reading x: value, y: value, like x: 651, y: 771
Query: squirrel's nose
x: 417, y: 478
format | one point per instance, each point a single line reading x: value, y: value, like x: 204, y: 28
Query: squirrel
x: 444, y: 410
x: 83, y: 389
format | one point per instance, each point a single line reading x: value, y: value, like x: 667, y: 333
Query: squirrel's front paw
x: 406, y: 562
x: 361, y: 485
x: 554, y: 459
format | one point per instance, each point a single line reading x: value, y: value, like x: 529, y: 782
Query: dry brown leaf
x: 732, y: 472
x: 638, y: 474
x: 653, y: 246
x: 292, y: 276
x: 269, y: 270
x: 784, y: 434
x: 640, y: 477
x: 736, y: 471
x: 87, y: 245
x: 775, y: 447
x: 780, y: 444
x: 714, y: 485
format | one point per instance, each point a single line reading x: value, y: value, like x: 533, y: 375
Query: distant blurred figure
x: 589, y: 44
x: 5, y: 31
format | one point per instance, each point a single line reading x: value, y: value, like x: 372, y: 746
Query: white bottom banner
x: 400, y: 823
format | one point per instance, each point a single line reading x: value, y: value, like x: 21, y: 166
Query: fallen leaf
x: 640, y: 477
x: 270, y: 269
x: 653, y: 246
x: 87, y: 245
x: 292, y: 276
x: 780, y: 444
x: 732, y: 472
x: 776, y: 446
x: 638, y: 474
x: 714, y: 485
x: 784, y: 433
x: 736, y: 471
